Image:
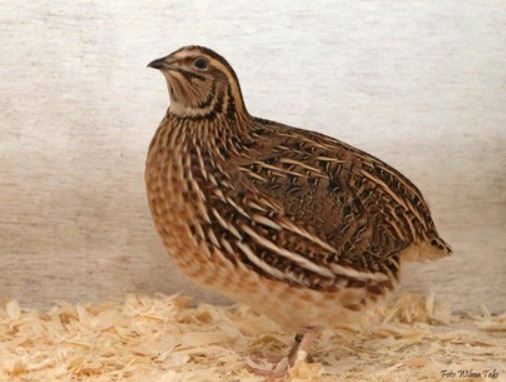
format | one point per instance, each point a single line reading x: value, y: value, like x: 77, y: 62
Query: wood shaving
x: 164, y: 338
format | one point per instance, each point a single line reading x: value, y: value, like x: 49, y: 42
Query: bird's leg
x: 295, y: 347
x: 299, y: 351
x: 302, y: 346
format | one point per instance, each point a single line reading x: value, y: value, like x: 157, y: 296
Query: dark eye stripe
x: 191, y: 75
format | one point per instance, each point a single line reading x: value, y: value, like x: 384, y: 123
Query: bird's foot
x: 278, y: 371
x: 298, y: 353
x: 270, y: 366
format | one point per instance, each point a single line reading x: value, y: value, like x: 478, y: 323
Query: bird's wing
x: 311, y: 211
x: 251, y: 229
x: 354, y: 203
x: 248, y: 225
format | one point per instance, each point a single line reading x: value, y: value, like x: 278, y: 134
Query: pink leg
x: 299, y: 351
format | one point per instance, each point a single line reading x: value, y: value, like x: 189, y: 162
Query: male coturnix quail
x: 302, y: 227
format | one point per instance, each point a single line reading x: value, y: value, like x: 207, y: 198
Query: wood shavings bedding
x: 164, y: 339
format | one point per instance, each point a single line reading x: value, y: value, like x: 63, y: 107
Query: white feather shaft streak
x: 252, y: 174
x: 266, y: 221
x: 301, y: 164
x: 228, y: 226
x: 237, y: 207
x: 385, y: 187
x: 329, y: 159
x: 292, y: 227
x: 335, y: 269
x: 278, y: 169
x: 312, y: 142
x: 203, y: 170
x: 213, y: 238
x: 260, y: 263
x: 256, y: 206
x: 394, y: 196
x: 293, y: 256
x: 354, y: 274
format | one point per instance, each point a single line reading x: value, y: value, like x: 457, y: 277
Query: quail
x: 304, y: 228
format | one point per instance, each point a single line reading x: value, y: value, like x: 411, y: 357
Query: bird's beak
x: 161, y: 63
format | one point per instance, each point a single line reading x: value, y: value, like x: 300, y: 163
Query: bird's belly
x: 294, y: 308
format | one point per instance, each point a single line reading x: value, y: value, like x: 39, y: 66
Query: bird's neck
x: 220, y: 133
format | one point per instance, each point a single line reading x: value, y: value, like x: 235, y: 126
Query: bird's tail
x: 435, y: 248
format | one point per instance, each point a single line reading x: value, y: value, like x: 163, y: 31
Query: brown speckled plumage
x: 301, y: 226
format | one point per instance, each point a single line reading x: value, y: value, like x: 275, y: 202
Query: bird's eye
x: 200, y: 63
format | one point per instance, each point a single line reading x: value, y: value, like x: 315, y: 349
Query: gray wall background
x: 421, y: 84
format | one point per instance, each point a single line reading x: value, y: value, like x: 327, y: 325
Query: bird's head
x: 201, y: 83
